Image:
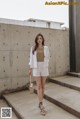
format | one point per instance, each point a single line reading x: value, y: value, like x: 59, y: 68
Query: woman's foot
x: 43, y: 111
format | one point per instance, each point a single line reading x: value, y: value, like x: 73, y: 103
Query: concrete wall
x: 15, y: 43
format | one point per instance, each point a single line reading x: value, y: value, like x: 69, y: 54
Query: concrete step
x: 64, y: 97
x: 74, y: 74
x: 4, y: 104
x: 26, y: 105
x: 67, y: 81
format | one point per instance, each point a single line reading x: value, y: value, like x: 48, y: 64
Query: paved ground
x: 27, y: 105
x: 4, y: 104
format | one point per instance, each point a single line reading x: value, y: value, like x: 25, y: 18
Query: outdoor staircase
x: 61, y: 100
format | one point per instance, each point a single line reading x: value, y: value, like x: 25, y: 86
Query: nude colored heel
x: 43, y: 111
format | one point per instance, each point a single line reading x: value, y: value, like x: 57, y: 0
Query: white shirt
x: 33, y: 57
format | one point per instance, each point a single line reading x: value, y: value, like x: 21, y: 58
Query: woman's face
x: 39, y: 41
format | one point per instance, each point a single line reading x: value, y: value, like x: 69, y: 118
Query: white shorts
x: 41, y: 70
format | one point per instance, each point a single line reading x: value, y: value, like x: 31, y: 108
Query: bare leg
x: 43, y: 81
x: 39, y: 88
x: 40, y: 81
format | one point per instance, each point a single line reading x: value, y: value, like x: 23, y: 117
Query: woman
x: 39, y: 61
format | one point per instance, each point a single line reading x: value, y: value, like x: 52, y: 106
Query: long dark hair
x: 36, y: 44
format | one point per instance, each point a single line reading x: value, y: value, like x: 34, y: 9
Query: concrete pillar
x: 74, y: 36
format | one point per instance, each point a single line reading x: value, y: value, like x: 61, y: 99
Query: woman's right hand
x: 30, y: 71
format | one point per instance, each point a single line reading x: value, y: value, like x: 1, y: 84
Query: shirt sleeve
x: 48, y: 53
x: 30, y: 59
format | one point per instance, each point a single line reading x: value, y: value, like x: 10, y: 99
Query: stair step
x: 64, y: 97
x: 4, y: 104
x: 26, y: 105
x: 74, y: 74
x: 67, y: 81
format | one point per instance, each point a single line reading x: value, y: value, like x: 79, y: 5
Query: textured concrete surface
x: 4, y: 104
x: 27, y: 105
x: 69, y: 80
x: 74, y: 74
x: 66, y: 96
x: 15, y: 44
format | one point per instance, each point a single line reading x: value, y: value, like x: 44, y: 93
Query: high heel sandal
x: 43, y: 111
